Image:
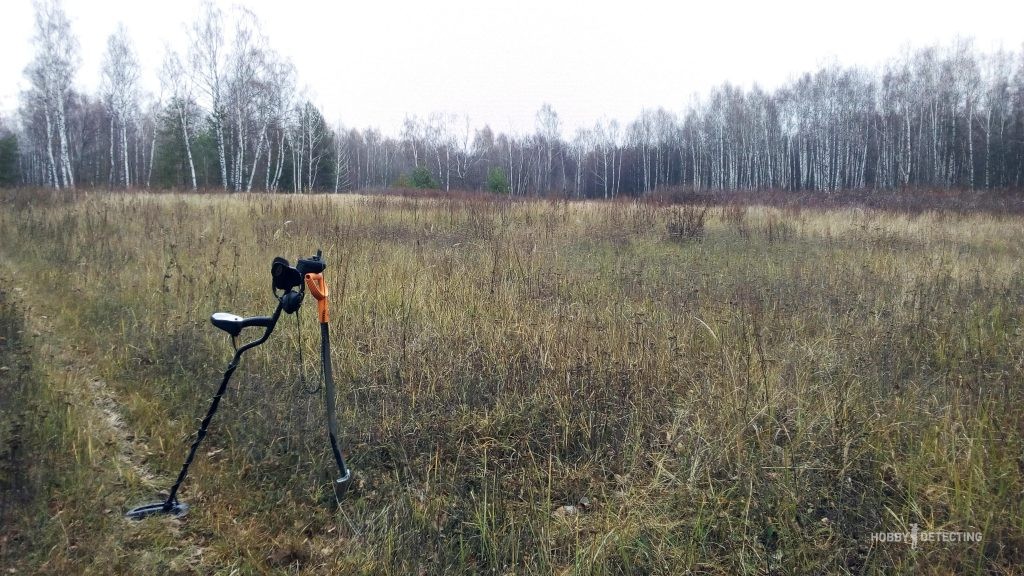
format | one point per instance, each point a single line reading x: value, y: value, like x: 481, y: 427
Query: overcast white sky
x: 370, y: 63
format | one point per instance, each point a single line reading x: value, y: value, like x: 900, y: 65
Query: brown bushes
x: 686, y: 223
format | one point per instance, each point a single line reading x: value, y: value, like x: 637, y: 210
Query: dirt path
x: 68, y: 362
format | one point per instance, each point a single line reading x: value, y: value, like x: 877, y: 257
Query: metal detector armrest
x: 234, y: 324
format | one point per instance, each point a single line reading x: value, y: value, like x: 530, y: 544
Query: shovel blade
x: 341, y: 485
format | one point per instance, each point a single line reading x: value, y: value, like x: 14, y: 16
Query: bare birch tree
x: 177, y: 83
x: 208, y: 58
x: 120, y: 85
x: 51, y: 74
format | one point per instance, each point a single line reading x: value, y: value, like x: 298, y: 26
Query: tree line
x: 231, y: 114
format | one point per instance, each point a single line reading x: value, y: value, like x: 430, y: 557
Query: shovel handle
x: 317, y: 286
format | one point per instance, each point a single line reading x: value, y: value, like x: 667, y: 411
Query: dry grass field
x: 524, y: 387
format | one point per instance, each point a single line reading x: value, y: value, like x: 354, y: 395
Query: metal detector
x: 288, y: 285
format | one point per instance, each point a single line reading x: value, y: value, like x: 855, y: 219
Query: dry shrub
x: 686, y: 223
x: 736, y: 216
x: 776, y: 229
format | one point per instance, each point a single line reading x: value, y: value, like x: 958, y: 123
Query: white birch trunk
x: 62, y: 133
x: 256, y: 159
x: 188, y: 145
x: 54, y: 180
x: 124, y: 153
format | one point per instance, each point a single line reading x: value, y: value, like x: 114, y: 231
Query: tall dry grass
x: 539, y: 387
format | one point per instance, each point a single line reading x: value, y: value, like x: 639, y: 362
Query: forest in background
x: 232, y: 114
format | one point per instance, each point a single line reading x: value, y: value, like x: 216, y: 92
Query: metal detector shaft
x: 171, y: 501
x: 233, y: 325
x: 172, y: 497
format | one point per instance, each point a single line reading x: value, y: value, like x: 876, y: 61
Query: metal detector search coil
x: 288, y: 285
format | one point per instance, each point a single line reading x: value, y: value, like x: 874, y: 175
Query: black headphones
x: 286, y: 278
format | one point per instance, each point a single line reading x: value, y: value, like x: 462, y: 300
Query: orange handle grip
x: 317, y: 286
